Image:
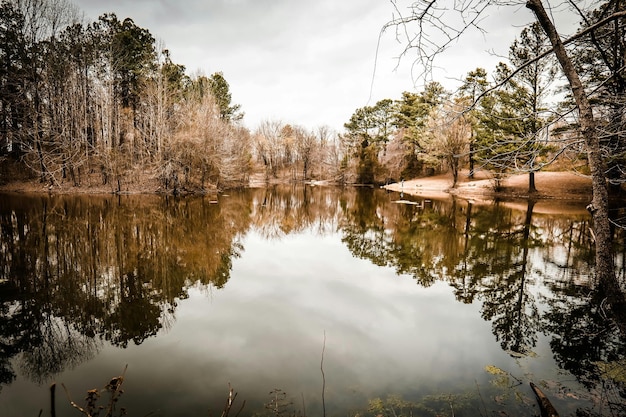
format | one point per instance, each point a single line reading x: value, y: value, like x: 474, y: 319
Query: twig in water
x: 53, y: 411
x: 72, y: 403
x: 481, y: 400
x: 114, y: 387
x: 451, y: 406
x: 232, y: 395
x: 323, y: 377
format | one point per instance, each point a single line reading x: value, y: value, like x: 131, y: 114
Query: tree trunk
x: 531, y: 182
x: 471, y: 157
x: 599, y: 207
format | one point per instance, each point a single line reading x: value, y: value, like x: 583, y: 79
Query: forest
x: 102, y: 104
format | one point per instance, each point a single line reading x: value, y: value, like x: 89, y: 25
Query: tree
x: 12, y: 76
x: 128, y: 61
x: 533, y: 82
x: 369, y: 130
x: 35, y: 115
x: 80, y: 98
x: 269, y: 142
x: 506, y: 137
x: 203, y: 150
x: 599, y: 207
x: 474, y: 86
x: 491, y: 140
x: 306, y: 146
x: 600, y: 58
x: 372, y: 124
x: 220, y: 89
x: 512, y: 121
x: 414, y: 113
x: 133, y: 54
x: 450, y: 138
x: 427, y: 17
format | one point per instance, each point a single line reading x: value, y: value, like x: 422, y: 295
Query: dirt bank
x: 550, y: 185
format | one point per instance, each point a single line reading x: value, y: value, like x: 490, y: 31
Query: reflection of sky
x: 265, y: 329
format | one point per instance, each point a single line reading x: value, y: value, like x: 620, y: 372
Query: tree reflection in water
x: 77, y: 271
x: 495, y: 255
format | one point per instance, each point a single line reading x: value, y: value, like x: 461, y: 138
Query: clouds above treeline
x: 303, y: 62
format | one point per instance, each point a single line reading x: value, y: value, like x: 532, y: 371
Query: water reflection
x: 77, y: 270
x: 486, y: 254
x: 81, y: 272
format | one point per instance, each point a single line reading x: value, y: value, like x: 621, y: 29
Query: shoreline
x: 550, y: 186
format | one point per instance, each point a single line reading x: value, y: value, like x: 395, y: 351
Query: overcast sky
x: 304, y: 62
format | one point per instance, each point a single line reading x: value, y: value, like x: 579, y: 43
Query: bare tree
x: 306, y: 146
x: 451, y: 137
x: 269, y: 145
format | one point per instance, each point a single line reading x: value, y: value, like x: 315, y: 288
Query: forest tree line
x: 102, y: 98
x: 103, y: 103
x: 105, y: 100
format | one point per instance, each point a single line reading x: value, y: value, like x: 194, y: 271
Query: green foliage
x: 511, y: 124
x: 371, y: 128
x: 371, y: 124
x: 14, y: 64
x: 220, y: 90
x: 413, y: 166
x: 393, y: 405
x: 474, y: 85
x: 131, y: 53
x: 174, y: 76
x: 494, y: 370
x: 414, y: 112
x: 368, y: 131
x: 367, y: 165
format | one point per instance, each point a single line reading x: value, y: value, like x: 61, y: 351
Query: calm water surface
x: 429, y: 308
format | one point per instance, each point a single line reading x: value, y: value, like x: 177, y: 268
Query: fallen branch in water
x: 323, y: 377
x: 546, y: 407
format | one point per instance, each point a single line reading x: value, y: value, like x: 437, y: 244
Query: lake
x: 314, y: 301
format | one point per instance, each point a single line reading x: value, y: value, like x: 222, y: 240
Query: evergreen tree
x: 12, y: 77
x: 369, y: 130
x: 512, y: 133
x: 221, y: 93
x: 414, y: 111
x: 474, y: 86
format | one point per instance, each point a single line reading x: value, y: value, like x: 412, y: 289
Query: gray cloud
x: 301, y: 62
